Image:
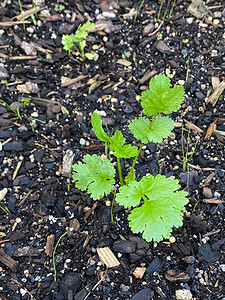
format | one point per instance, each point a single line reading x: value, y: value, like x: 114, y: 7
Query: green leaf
x: 159, y: 84
x: 68, y: 42
x: 160, y: 98
x: 160, y: 129
x: 96, y: 122
x: 82, y: 31
x: 161, y: 208
x: 120, y: 150
x: 140, y: 129
x: 130, y: 177
x: 154, y: 131
x: 94, y: 175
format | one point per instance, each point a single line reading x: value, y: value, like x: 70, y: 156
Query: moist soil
x: 55, y: 130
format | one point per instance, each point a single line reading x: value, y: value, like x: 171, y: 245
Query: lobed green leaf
x: 95, y: 175
x: 160, y: 98
x: 119, y: 149
x: 161, y: 208
x: 140, y: 129
x: 160, y: 129
x: 154, y: 131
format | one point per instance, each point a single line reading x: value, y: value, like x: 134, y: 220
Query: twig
x: 22, y: 57
x: 8, y: 24
x: 25, y: 197
x: 157, y: 29
x: 26, y: 14
x: 95, y: 286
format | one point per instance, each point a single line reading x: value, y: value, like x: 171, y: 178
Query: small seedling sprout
x: 78, y: 41
x: 185, y: 154
x: 16, y: 112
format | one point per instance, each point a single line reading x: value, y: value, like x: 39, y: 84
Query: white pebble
x: 23, y: 292
x: 82, y: 141
x: 190, y: 20
x: 30, y: 30
x: 222, y: 267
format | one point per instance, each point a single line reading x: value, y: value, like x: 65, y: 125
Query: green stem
x: 111, y: 211
x: 160, y: 8
x: 171, y: 11
x: 119, y: 171
x: 136, y: 158
x: 53, y: 254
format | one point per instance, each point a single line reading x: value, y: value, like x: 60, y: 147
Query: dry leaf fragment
x: 28, y: 87
x: 198, y: 9
x: 139, y: 272
x: 215, y: 82
x: 107, y: 257
x: 174, y: 275
x: 216, y: 94
x: 210, y: 131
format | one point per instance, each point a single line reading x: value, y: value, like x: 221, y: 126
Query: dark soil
x: 44, y: 203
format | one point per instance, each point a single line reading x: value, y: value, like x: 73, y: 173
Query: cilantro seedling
x: 59, y: 7
x: 78, y: 41
x: 25, y: 102
x: 16, y: 112
x: 155, y: 202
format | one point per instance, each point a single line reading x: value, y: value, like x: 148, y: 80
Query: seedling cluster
x: 78, y: 41
x: 155, y: 202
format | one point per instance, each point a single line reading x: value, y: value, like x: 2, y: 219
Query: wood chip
x: 209, y: 178
x: 67, y: 163
x: 66, y: 81
x: 210, y: 131
x: 107, y: 257
x: 8, y: 261
x: 139, y: 272
x: 74, y: 226
x: 124, y: 62
x: 216, y: 94
x: 213, y: 201
x: 148, y: 75
x: 50, y: 245
x: 215, y: 82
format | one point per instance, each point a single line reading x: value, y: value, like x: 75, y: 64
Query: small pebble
x: 30, y: 30
x: 190, y: 20
x: 82, y: 141
x: 23, y: 292
x: 222, y: 267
